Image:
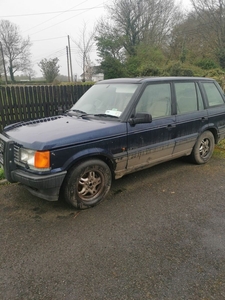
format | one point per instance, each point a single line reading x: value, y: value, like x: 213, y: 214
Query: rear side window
x: 213, y: 94
x: 188, y: 97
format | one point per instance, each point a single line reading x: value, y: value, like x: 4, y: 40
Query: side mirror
x: 140, y: 118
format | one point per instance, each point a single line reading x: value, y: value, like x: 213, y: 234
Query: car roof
x: 153, y: 79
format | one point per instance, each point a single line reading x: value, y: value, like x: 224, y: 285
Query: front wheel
x: 203, y: 148
x: 87, y: 183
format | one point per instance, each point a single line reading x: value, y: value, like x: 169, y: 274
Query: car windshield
x: 105, y: 99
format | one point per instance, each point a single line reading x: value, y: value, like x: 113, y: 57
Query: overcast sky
x: 48, y: 24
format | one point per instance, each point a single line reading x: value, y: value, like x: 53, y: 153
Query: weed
x: 221, y: 144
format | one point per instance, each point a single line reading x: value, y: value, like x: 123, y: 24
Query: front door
x: 151, y: 143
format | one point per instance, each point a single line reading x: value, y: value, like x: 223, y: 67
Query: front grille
x: 1, y: 152
x: 16, y: 154
x: 7, y: 156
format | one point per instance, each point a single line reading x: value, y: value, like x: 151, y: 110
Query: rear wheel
x: 87, y: 183
x: 203, y: 148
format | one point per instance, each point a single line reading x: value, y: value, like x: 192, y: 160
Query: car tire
x: 87, y: 184
x: 203, y: 148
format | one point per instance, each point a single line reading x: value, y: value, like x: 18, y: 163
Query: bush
x: 206, y: 64
x: 176, y: 68
x: 218, y: 75
x: 149, y: 70
x: 1, y: 174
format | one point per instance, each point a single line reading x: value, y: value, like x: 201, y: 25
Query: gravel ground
x: 159, y: 234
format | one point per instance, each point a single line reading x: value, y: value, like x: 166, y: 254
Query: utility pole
x: 68, y: 63
x: 3, y: 59
x: 71, y: 71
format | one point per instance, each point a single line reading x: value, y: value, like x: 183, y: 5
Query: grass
x: 1, y: 174
x: 221, y: 145
x: 220, y: 149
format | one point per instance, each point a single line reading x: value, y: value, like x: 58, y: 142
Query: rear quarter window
x: 213, y: 94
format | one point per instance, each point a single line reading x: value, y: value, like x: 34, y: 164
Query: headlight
x: 35, y: 159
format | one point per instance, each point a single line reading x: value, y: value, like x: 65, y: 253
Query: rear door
x: 191, y: 118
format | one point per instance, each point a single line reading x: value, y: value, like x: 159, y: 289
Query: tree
x: 110, y: 50
x: 109, y: 41
x: 30, y: 73
x: 135, y: 25
x: 186, y: 42
x: 148, y: 62
x: 1, y: 62
x: 85, y: 45
x: 49, y: 68
x: 211, y: 24
x: 16, y: 49
x: 147, y: 21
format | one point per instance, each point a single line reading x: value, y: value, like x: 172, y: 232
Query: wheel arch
x: 90, y: 190
x: 214, y: 131
x: 88, y: 154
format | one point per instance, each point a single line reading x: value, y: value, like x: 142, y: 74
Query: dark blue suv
x: 117, y: 127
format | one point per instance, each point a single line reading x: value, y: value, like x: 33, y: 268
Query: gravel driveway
x: 160, y: 234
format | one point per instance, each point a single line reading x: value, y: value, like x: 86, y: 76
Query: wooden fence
x: 23, y: 103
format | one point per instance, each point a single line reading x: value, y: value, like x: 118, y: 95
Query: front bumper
x: 41, y: 185
x: 44, y: 186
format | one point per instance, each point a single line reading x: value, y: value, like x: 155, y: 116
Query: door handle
x: 170, y: 126
x: 204, y: 119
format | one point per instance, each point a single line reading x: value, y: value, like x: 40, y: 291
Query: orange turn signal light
x: 42, y: 160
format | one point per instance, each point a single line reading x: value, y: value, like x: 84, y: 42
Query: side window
x: 156, y: 100
x: 187, y: 98
x: 213, y: 94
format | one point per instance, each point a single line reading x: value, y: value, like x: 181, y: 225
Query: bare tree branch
x: 16, y: 49
x: 85, y: 45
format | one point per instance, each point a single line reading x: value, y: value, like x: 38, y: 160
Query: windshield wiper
x: 79, y: 111
x: 83, y: 114
x: 105, y: 115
